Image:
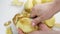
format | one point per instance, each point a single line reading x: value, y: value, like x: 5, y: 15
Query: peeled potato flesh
x: 25, y: 25
x: 50, y: 22
x: 28, y: 4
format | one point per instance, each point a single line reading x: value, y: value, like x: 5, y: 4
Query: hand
x: 43, y: 12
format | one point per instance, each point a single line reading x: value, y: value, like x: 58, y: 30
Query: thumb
x: 36, y: 21
x: 44, y: 27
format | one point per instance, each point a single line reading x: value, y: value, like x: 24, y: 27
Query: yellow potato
x: 28, y: 4
x: 25, y: 25
x: 50, y: 22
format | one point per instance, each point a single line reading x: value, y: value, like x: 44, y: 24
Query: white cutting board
x: 7, y: 12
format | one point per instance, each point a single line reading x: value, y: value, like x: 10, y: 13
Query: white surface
x: 7, y: 12
x: 57, y: 18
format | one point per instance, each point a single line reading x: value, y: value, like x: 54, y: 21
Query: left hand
x: 42, y: 27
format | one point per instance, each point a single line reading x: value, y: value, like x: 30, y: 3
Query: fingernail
x: 33, y: 24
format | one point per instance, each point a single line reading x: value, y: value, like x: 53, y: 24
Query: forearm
x: 57, y: 4
x: 46, y: 32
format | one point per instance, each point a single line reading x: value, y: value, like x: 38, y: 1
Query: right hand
x: 43, y: 12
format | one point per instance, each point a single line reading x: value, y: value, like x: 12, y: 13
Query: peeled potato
x: 25, y: 25
x: 28, y: 4
x: 50, y: 22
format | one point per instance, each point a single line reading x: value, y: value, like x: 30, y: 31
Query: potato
x: 50, y: 22
x: 25, y: 25
x: 28, y: 4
